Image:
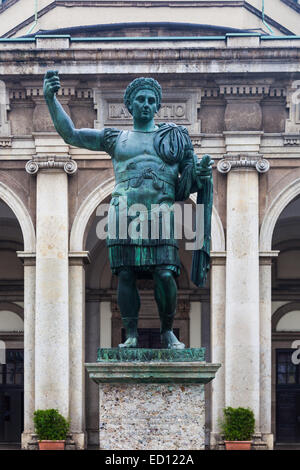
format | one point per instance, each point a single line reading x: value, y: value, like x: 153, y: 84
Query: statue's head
x: 140, y: 84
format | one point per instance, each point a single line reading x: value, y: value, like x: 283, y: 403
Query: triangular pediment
x: 97, y: 18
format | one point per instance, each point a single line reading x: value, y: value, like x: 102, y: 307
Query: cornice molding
x: 273, y: 59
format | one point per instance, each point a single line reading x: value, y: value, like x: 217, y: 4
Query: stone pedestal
x: 152, y: 399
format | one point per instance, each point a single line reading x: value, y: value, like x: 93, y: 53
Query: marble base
x: 152, y: 416
x: 154, y: 405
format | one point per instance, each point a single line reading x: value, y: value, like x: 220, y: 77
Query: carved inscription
x: 168, y: 111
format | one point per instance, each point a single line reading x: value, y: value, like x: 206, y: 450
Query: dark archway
x: 286, y: 326
x: 11, y: 328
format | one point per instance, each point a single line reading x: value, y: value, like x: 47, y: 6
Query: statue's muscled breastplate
x: 141, y: 174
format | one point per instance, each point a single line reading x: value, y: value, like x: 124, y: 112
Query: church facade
x: 236, y: 88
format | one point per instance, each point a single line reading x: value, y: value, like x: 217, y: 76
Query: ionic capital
x: 51, y: 162
x: 243, y: 162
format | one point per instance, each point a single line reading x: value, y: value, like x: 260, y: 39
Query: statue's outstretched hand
x: 51, y: 84
x: 204, y: 167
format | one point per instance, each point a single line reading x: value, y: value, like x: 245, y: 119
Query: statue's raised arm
x: 91, y: 139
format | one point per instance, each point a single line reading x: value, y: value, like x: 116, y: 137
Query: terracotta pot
x: 51, y: 445
x: 238, y: 445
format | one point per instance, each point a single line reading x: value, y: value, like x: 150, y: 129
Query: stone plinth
x: 152, y: 404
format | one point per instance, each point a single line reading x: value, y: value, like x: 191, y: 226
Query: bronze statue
x: 147, y: 162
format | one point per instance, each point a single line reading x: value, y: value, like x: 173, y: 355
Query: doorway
x: 12, y: 396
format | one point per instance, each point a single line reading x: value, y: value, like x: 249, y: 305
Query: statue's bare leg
x: 165, y: 291
x: 129, y: 304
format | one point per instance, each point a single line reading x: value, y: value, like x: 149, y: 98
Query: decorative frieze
x: 37, y: 92
x: 244, y: 89
x: 278, y: 92
x: 5, y: 142
x: 243, y: 162
x: 291, y: 139
x: 196, y: 141
x: 211, y: 92
x: 52, y: 162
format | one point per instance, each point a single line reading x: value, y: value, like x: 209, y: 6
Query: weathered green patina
x: 152, y: 372
x: 150, y: 355
x: 154, y: 165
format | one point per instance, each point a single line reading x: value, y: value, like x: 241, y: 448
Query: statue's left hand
x: 204, y: 167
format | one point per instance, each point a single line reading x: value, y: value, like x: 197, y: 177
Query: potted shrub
x: 51, y: 429
x: 238, y: 428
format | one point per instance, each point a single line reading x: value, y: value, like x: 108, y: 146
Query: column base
x: 215, y: 439
x: 26, y: 438
x: 148, y: 401
x: 269, y: 440
x: 262, y: 441
x: 80, y: 440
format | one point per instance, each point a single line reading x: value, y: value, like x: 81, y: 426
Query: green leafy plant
x: 50, y: 425
x: 238, y: 424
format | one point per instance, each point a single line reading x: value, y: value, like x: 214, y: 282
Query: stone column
x: 242, y: 319
x: 92, y: 333
x: 78, y: 260
x: 218, y: 295
x: 195, y: 325
x: 265, y: 308
x: 242, y: 292
x: 105, y: 324
x: 29, y: 344
x: 52, y: 282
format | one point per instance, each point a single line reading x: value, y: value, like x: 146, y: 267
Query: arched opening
x: 103, y: 320
x: 11, y: 327
x: 286, y: 326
